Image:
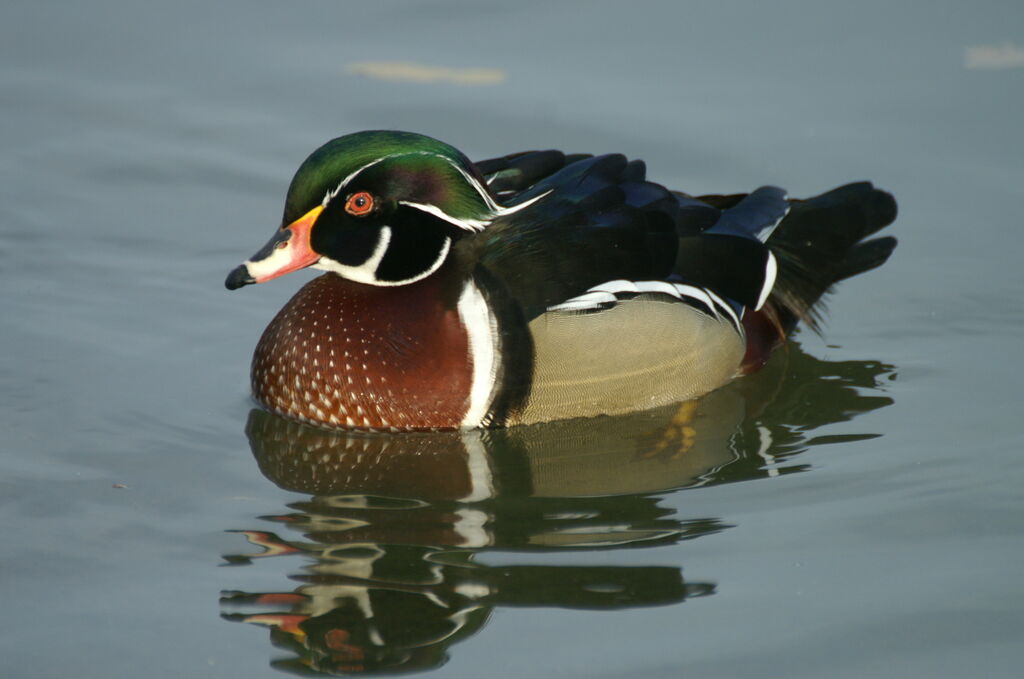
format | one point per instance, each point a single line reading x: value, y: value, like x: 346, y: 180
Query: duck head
x: 381, y: 208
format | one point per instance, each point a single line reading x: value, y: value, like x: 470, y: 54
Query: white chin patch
x: 271, y: 266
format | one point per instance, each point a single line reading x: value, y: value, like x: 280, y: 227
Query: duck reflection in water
x: 394, y: 521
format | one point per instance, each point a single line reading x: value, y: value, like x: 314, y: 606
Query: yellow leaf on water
x: 989, y: 57
x: 410, y: 72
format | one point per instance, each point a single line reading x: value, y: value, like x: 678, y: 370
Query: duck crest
x: 358, y: 356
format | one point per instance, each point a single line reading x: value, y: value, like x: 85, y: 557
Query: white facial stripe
x: 475, y: 183
x: 482, y: 334
x: 344, y: 182
x: 519, y: 206
x: 493, y: 208
x: 466, y: 224
x: 497, y: 210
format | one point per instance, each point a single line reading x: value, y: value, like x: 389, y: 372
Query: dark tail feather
x: 866, y: 256
x: 821, y: 242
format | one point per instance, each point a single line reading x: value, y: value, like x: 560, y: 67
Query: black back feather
x: 602, y: 220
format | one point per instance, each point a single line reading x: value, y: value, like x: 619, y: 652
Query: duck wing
x: 598, y: 219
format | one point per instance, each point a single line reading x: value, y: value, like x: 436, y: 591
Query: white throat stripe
x: 367, y: 271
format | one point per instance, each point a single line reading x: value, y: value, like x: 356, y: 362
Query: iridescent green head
x: 377, y: 207
x: 398, y: 166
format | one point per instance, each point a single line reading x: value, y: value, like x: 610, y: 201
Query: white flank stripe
x: 585, y: 301
x: 603, y: 294
x: 663, y: 287
x: 698, y: 294
x: 606, y: 294
x: 770, y: 269
x: 724, y: 306
x: 481, y: 331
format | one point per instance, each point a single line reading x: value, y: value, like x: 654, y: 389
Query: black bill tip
x: 238, y: 277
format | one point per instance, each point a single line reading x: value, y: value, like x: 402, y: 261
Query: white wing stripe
x: 770, y: 270
x: 698, y: 294
x: 465, y: 224
x: 587, y: 300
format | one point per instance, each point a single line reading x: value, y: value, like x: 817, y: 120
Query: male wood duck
x: 534, y: 287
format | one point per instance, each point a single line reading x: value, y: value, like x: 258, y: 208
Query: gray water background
x: 145, y: 150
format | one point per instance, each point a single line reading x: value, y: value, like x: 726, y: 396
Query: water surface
x: 852, y: 511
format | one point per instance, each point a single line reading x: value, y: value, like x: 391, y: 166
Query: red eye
x: 359, y: 204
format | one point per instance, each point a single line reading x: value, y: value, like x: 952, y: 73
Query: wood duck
x: 534, y: 287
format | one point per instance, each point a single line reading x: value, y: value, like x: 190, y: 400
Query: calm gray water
x: 853, y: 511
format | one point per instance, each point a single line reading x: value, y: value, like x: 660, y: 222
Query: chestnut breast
x: 347, y: 355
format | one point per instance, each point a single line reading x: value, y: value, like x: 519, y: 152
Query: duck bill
x: 289, y: 250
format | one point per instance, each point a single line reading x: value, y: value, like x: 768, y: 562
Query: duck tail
x: 821, y: 241
x: 824, y: 240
